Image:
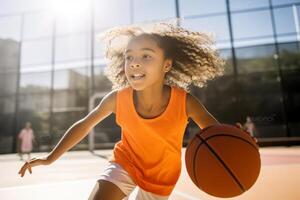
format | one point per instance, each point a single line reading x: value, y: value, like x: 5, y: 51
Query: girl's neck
x: 153, y: 98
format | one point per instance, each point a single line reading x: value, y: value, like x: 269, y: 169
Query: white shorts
x: 117, y: 175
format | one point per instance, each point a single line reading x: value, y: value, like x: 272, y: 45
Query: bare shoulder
x: 102, y: 110
x: 110, y: 100
x: 191, y: 102
x: 107, y: 104
x: 197, y: 111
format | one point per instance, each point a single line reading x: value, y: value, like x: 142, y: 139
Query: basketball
x: 223, y: 160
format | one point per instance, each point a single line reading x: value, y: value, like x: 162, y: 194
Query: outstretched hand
x: 32, y: 163
x: 239, y: 125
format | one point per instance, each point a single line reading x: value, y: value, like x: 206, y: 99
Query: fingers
x: 239, y: 125
x: 29, y: 164
x: 22, y: 171
x: 254, y: 139
x: 29, y: 167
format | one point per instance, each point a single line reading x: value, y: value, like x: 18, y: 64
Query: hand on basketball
x: 32, y: 163
x: 239, y: 125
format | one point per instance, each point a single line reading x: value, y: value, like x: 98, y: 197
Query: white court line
x: 190, y: 197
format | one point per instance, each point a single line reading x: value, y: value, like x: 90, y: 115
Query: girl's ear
x: 168, y: 65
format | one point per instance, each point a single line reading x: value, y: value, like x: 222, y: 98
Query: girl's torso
x: 150, y: 148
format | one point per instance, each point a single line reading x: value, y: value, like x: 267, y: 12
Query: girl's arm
x: 82, y: 127
x: 198, y: 112
x: 201, y: 116
x: 75, y: 133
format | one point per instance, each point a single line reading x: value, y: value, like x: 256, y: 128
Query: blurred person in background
x: 250, y: 126
x: 26, y: 139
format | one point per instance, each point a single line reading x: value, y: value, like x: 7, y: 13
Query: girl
x: 249, y: 126
x: 26, y: 138
x: 151, y: 71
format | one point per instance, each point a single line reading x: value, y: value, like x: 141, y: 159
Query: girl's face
x: 28, y: 125
x: 248, y: 119
x: 145, y: 59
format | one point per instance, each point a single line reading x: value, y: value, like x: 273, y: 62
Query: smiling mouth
x: 137, y: 77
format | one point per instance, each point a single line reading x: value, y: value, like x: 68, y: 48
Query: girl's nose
x: 135, y: 64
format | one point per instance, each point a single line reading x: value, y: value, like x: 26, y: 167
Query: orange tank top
x: 150, y: 149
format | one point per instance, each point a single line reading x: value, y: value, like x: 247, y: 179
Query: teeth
x: 137, y: 75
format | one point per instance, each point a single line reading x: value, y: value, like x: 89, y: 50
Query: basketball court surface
x: 74, y: 175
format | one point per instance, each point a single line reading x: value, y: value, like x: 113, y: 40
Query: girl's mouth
x: 137, y: 77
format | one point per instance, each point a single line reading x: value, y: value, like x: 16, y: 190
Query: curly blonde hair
x: 195, y: 60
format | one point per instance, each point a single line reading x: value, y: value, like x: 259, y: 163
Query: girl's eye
x: 128, y: 57
x: 146, y: 56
